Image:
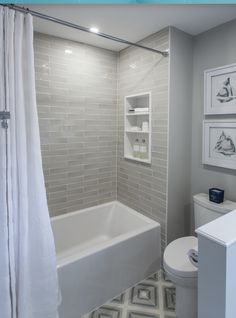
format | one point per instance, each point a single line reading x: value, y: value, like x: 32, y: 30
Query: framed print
x: 219, y: 143
x: 220, y: 90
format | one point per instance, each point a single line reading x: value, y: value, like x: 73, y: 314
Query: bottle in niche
x: 143, y: 150
x: 136, y: 149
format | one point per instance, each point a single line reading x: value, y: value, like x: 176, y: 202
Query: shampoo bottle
x: 143, y: 150
x: 136, y: 149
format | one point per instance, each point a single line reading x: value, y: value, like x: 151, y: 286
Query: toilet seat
x: 176, y: 260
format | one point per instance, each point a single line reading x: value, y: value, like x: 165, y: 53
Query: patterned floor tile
x: 106, y: 312
x: 169, y: 298
x: 154, y: 277
x: 144, y: 295
x: 152, y: 298
x: 119, y: 299
x: 165, y: 277
x: 135, y: 314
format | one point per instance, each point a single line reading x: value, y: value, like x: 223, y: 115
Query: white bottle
x: 143, y: 150
x: 136, y: 149
x: 145, y: 126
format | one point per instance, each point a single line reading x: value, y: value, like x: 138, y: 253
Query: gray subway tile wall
x: 76, y: 87
x: 80, y: 96
x: 140, y: 186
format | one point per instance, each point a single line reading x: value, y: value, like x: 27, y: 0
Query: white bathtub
x: 101, y: 252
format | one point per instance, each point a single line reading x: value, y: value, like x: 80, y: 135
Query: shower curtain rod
x: 81, y: 28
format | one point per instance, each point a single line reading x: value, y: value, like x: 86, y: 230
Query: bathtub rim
x: 151, y: 224
x: 134, y: 212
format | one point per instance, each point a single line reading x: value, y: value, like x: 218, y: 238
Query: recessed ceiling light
x: 133, y: 65
x: 94, y: 29
x: 68, y: 51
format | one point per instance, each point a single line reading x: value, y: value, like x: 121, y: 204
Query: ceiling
x: 130, y: 22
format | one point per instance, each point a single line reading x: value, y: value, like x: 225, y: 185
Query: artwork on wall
x: 220, y: 90
x: 219, y: 143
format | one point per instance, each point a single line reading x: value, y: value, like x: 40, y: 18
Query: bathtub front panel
x: 89, y: 282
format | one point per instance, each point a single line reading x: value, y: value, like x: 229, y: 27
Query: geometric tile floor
x: 152, y: 298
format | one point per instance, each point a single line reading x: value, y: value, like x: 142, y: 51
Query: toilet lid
x: 176, y: 259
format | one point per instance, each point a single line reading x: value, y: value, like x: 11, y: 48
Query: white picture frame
x: 220, y: 90
x: 219, y: 143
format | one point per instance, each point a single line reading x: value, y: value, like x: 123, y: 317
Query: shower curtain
x: 28, y: 275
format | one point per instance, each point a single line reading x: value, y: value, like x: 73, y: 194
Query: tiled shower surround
x: 76, y: 88
x: 80, y: 96
x: 143, y: 187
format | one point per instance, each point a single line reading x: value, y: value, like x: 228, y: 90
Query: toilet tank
x: 206, y: 211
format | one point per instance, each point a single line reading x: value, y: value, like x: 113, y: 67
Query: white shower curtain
x: 28, y: 275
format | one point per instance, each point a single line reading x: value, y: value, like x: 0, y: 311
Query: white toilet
x: 176, y: 260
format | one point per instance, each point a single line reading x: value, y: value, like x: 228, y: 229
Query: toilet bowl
x: 176, y: 260
x: 180, y: 271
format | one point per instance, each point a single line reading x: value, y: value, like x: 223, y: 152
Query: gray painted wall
x: 186, y: 174
x: 214, y: 48
x: 179, y: 149
x: 76, y: 97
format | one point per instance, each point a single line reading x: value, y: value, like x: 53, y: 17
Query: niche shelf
x: 137, y: 110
